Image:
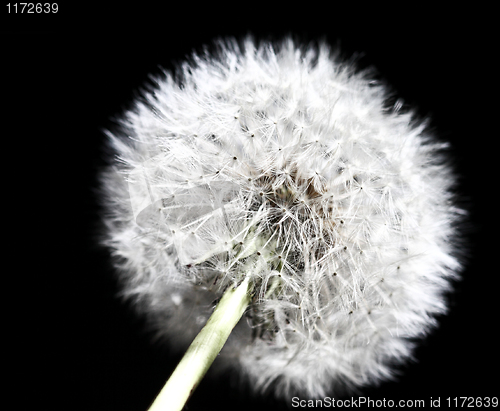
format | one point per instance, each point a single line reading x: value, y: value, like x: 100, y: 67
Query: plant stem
x: 203, y: 350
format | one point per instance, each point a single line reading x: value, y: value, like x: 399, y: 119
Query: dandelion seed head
x: 283, y: 163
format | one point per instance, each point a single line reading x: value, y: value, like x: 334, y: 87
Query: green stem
x: 203, y: 350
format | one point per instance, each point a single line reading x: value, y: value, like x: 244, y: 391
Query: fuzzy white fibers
x: 285, y: 164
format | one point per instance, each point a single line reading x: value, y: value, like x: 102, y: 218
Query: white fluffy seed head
x: 283, y: 163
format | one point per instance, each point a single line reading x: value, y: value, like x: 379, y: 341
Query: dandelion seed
x: 315, y: 211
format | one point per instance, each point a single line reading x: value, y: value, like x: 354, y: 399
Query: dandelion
x: 277, y: 174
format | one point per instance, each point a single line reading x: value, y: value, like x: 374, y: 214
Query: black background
x: 71, y: 343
